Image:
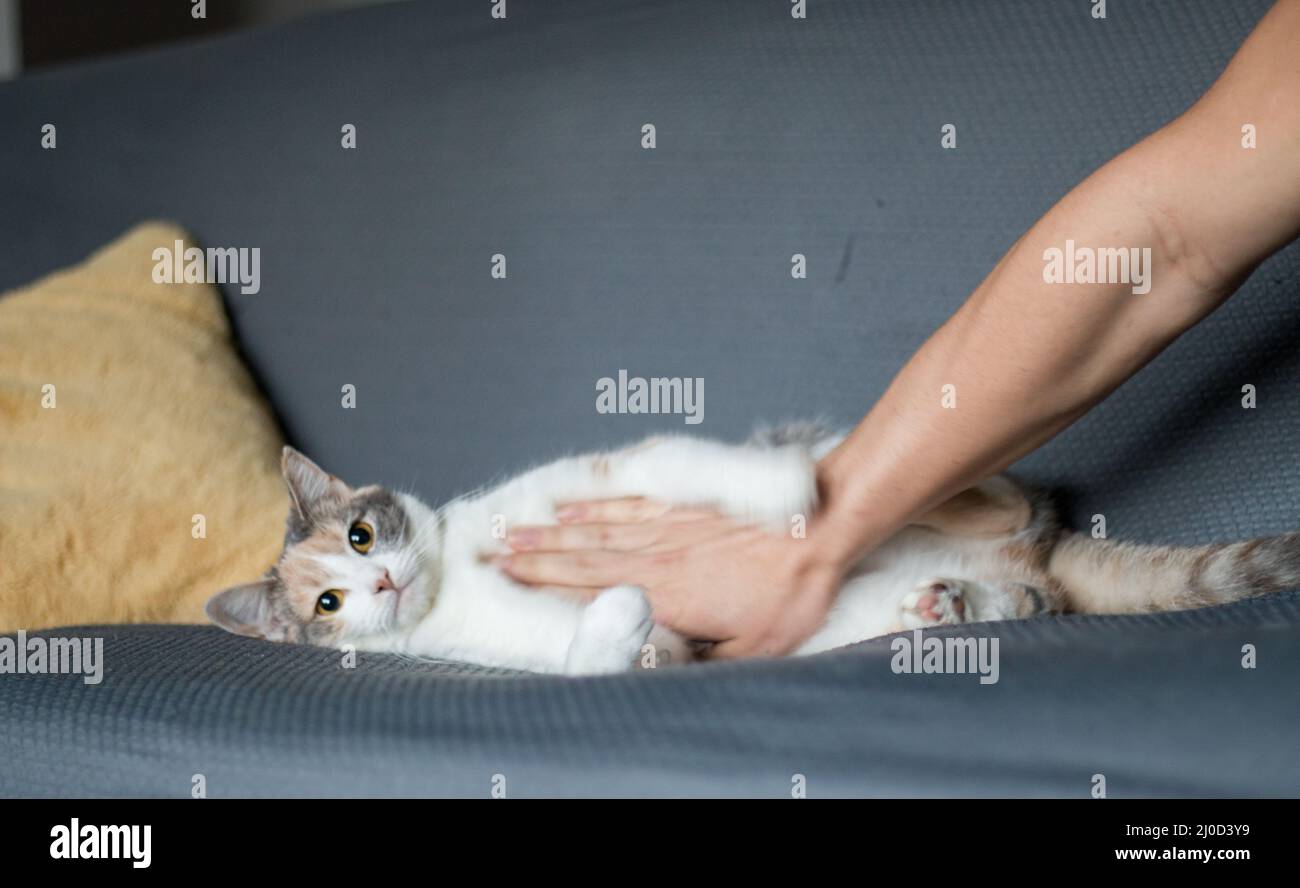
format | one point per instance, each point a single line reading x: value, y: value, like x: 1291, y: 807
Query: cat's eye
x: 329, y: 602
x: 362, y: 536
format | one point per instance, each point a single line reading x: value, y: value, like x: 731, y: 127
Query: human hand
x: 706, y: 576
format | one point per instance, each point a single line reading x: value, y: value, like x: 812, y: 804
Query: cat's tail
x: 1103, y: 577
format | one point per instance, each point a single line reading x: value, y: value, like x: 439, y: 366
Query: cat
x: 380, y: 570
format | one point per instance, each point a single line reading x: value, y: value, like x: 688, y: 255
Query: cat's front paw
x: 934, y: 603
x: 610, y: 633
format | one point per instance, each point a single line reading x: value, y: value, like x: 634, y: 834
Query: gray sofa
x: 774, y: 136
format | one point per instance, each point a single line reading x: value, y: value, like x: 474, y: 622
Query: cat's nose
x: 385, y: 582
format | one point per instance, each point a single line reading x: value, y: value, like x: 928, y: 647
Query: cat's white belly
x: 870, y: 602
x: 483, y: 617
x: 480, y: 615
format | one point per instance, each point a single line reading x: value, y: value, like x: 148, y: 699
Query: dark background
x: 51, y: 32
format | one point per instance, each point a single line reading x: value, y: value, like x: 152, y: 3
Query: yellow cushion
x: 153, y: 421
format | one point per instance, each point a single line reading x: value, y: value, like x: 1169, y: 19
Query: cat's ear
x: 312, y: 489
x: 247, y: 610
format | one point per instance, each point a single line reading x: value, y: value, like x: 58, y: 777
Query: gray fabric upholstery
x: 775, y: 136
x: 1159, y: 705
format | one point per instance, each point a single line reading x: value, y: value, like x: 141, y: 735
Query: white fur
x: 462, y: 608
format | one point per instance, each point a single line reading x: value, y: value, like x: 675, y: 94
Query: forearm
x: 1024, y: 358
x: 1020, y: 361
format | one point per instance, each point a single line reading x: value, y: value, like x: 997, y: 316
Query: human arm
x: 1025, y: 357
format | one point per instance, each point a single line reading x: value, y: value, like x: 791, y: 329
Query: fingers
x: 626, y: 510
x: 584, y: 568
x: 572, y: 537
x: 643, y: 537
x: 582, y: 594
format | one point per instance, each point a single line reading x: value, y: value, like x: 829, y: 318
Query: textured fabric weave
x: 1159, y: 705
x: 774, y: 137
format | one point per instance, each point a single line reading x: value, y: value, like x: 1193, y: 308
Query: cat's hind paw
x: 934, y: 603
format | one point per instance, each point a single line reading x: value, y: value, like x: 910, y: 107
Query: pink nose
x: 385, y: 582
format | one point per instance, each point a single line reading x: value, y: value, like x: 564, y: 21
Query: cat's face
x: 358, y: 565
